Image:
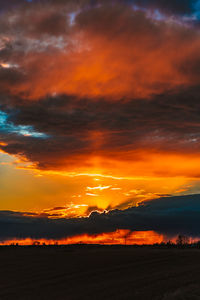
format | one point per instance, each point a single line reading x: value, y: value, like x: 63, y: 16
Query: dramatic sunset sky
x: 99, y: 120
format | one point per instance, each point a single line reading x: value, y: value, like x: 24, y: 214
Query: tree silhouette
x: 36, y: 243
x: 182, y: 240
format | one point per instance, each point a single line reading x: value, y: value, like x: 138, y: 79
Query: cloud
x: 100, y: 188
x: 114, y: 89
x: 168, y: 216
x: 160, y: 136
x: 170, y: 6
x: 91, y: 209
x: 181, y: 7
x: 111, y: 51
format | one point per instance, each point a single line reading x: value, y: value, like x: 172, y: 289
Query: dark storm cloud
x: 168, y: 123
x: 170, y: 6
x: 11, y: 3
x: 175, y: 6
x: 49, y: 40
x: 9, y: 76
x: 181, y: 7
x: 168, y: 216
x: 42, y: 151
x: 36, y: 45
x: 45, y: 21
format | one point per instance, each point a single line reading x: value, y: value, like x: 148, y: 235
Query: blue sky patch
x: 25, y: 130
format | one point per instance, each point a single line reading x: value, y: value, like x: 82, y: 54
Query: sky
x: 99, y: 120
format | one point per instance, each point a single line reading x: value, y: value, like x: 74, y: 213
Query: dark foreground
x: 90, y: 272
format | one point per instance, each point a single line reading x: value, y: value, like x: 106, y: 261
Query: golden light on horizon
x: 119, y: 237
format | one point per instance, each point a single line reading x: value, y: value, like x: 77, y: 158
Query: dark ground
x: 90, y: 272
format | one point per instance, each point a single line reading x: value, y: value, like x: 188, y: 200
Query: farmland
x: 99, y: 272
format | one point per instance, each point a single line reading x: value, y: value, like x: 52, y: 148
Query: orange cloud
x: 114, y: 53
x: 138, y: 164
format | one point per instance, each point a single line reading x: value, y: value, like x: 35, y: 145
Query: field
x: 99, y: 272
